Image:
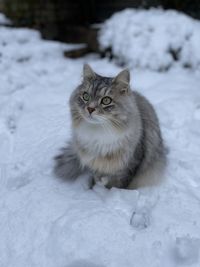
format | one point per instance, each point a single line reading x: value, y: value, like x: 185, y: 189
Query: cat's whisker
x: 117, y: 124
x: 112, y: 122
x: 106, y: 124
x: 108, y: 129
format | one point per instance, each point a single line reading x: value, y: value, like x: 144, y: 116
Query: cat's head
x: 102, y: 100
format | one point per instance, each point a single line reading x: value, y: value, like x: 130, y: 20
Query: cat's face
x: 101, y: 100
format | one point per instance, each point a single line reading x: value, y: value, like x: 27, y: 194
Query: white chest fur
x: 99, y: 140
x: 102, y: 149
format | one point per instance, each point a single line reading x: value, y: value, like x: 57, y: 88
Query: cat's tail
x: 67, y: 165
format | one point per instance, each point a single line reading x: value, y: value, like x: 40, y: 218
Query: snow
x: 187, y: 250
x: 154, y: 39
x: 4, y: 20
x: 48, y: 222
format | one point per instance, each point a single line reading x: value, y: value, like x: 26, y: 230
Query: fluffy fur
x: 117, y: 142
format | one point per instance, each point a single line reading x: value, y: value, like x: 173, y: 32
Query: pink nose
x: 90, y: 109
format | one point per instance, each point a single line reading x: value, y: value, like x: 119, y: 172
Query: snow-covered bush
x: 4, y: 20
x: 154, y: 39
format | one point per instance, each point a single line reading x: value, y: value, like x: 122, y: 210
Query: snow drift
x: 153, y: 39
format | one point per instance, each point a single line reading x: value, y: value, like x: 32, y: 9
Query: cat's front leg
x: 101, y: 180
x: 118, y: 181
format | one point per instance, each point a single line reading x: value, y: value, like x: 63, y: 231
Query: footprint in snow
x: 186, y: 250
x: 19, y: 176
x: 141, y: 217
x: 13, y: 116
x: 140, y: 220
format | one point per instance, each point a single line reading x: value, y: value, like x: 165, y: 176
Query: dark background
x: 70, y: 20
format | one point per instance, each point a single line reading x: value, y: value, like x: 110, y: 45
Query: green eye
x: 86, y: 96
x: 106, y: 100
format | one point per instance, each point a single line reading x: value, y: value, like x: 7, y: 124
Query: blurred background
x: 76, y: 21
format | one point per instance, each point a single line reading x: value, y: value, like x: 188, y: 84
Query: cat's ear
x: 123, y: 77
x: 88, y: 73
x: 122, y: 81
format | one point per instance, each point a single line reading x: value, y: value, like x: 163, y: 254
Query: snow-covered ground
x: 48, y: 222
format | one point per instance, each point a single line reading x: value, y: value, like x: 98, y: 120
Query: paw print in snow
x: 13, y: 116
x: 186, y: 250
x: 140, y: 219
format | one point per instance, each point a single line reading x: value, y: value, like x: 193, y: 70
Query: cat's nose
x: 90, y: 109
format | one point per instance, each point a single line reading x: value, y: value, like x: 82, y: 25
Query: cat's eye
x: 86, y: 96
x: 106, y: 100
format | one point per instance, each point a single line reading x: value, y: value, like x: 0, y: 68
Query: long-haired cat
x: 115, y: 133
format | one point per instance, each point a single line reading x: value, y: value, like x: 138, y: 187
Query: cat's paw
x: 103, y: 181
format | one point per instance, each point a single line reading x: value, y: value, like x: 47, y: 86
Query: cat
x: 115, y: 133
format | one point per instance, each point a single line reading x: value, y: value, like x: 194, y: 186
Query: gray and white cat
x: 115, y: 134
